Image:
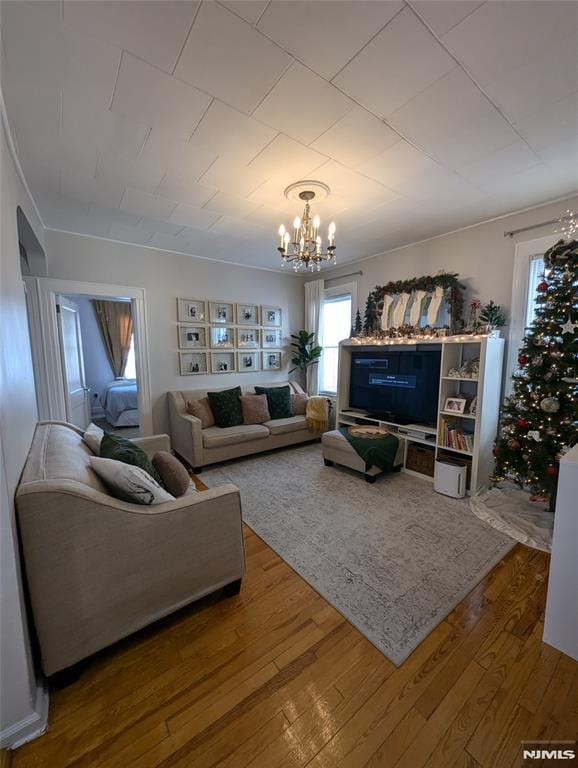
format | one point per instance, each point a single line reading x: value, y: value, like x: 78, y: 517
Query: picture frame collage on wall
x: 228, y: 337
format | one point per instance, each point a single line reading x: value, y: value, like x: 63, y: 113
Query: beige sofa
x: 201, y: 447
x: 97, y: 568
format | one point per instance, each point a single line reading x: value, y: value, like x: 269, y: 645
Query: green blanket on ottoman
x: 375, y: 451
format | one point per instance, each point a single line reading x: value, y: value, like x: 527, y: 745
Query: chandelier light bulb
x: 316, y: 222
x: 286, y: 238
x: 297, y: 222
x: 281, y: 230
x: 332, y: 229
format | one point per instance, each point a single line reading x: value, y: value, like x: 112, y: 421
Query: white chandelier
x: 303, y: 247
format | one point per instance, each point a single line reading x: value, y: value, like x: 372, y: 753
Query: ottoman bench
x: 337, y: 450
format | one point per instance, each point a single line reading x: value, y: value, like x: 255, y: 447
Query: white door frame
x: 67, y: 304
x: 42, y: 293
x: 523, y: 254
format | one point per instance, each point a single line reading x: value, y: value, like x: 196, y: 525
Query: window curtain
x: 114, y: 320
x: 313, y: 299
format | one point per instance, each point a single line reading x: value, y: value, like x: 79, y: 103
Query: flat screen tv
x: 400, y: 386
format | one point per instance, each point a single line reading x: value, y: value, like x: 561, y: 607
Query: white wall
x: 96, y: 365
x: 482, y: 255
x: 17, y: 421
x: 561, y: 622
x: 166, y: 276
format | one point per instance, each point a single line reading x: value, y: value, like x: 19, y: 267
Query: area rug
x: 394, y: 557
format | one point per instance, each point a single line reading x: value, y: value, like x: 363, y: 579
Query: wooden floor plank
x: 276, y: 678
x: 460, y: 729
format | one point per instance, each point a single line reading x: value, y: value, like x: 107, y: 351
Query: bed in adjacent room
x: 120, y: 403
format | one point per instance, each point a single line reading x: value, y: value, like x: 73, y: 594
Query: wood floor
x: 277, y: 678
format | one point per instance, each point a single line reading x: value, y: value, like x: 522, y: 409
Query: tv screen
x: 401, y: 386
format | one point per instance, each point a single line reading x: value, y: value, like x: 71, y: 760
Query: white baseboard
x: 32, y: 726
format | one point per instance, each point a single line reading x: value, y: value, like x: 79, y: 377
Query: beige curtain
x: 313, y: 298
x: 114, y: 319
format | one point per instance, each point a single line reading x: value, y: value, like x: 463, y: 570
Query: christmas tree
x: 540, y: 419
x: 370, y: 319
x: 358, y: 327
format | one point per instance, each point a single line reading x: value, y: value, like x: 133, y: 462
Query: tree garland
x: 446, y: 280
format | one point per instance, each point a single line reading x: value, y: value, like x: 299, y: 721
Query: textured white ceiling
x: 178, y: 124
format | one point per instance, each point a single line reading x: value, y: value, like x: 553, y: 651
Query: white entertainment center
x: 481, y: 427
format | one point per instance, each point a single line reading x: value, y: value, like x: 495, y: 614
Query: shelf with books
x: 455, y: 436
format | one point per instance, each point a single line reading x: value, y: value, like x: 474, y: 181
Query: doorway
x: 99, y: 363
x: 86, y: 370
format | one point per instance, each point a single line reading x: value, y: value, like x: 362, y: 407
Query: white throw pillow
x: 129, y: 483
x: 93, y: 437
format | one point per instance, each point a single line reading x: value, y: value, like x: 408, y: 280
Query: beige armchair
x: 99, y: 569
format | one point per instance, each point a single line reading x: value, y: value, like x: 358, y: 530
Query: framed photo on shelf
x: 192, y: 363
x: 271, y: 317
x: 221, y: 312
x: 272, y: 361
x: 223, y: 362
x: 191, y: 310
x: 192, y: 336
x: 247, y: 362
x: 222, y: 338
x: 271, y: 338
x: 455, y: 405
x: 248, y: 338
x: 247, y: 314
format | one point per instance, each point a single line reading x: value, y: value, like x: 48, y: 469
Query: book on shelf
x: 453, y: 435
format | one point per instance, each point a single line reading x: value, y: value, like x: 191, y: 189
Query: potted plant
x: 493, y: 317
x: 305, y: 353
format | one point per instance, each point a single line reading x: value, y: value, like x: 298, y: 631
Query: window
x: 130, y: 369
x: 535, y: 272
x: 528, y: 268
x: 335, y: 325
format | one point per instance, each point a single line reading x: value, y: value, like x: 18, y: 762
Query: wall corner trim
x: 32, y: 726
x: 12, y: 147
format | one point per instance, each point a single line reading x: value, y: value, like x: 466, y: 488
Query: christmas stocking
x: 399, y: 310
x: 387, y: 302
x: 433, y: 311
x: 415, y: 311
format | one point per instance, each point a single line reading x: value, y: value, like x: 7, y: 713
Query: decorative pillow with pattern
x: 255, y: 409
x: 128, y: 482
x: 121, y: 449
x: 226, y: 407
x: 202, y: 410
x: 279, y: 401
x: 299, y: 404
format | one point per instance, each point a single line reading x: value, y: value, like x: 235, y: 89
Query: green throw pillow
x: 278, y: 400
x: 121, y: 449
x: 226, y: 407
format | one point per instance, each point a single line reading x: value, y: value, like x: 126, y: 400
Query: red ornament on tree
x: 543, y: 286
x: 513, y: 444
x: 494, y: 451
x: 522, y: 423
x: 522, y: 359
x: 551, y: 471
